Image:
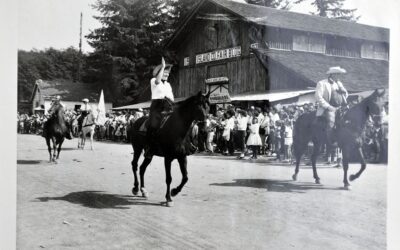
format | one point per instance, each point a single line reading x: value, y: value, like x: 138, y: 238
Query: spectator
x: 254, y: 140
x: 241, y: 117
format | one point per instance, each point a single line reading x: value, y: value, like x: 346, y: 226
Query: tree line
x: 128, y: 45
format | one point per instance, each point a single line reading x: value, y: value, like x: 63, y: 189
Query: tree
x: 48, y: 64
x: 277, y: 4
x: 130, y: 43
x: 333, y: 9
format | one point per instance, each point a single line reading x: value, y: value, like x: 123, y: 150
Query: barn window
x: 374, y: 51
x: 345, y: 47
x: 311, y: 42
x: 279, y: 39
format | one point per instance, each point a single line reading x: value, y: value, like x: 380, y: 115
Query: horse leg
x: 48, y: 147
x: 91, y: 139
x: 183, y: 166
x: 83, y: 141
x: 346, y: 157
x: 363, y: 165
x: 314, y: 162
x: 54, y: 149
x: 168, y: 180
x: 134, y: 163
x: 143, y: 167
x: 298, y: 152
x: 59, y: 148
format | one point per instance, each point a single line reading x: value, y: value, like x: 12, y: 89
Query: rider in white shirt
x: 162, y: 99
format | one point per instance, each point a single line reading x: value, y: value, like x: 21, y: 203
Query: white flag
x: 101, y: 111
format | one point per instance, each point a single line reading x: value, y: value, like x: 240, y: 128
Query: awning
x: 145, y: 105
x: 270, y: 96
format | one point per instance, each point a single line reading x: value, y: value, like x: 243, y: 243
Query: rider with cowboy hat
x: 56, y: 101
x: 325, y: 89
x: 162, y: 99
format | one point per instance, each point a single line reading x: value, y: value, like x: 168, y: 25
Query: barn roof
x: 362, y: 74
x: 291, y: 20
x: 68, y: 90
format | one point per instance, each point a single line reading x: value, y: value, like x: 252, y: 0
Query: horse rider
x: 85, y: 108
x: 162, y: 100
x: 324, y: 91
x: 56, y: 102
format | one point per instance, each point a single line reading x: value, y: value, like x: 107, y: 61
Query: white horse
x: 88, y: 126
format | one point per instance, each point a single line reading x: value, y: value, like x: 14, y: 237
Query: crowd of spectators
x: 250, y: 133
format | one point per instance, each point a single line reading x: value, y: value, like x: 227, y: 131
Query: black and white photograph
x: 202, y: 124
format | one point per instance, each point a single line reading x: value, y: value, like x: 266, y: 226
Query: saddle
x: 165, y: 117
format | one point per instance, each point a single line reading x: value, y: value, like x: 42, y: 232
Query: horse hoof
x: 145, y: 194
x: 347, y: 187
x: 352, y: 177
x: 317, y: 181
x: 294, y: 177
x: 169, y: 203
x: 174, y: 192
x: 135, y: 191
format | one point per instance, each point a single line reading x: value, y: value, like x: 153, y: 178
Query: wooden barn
x: 71, y: 93
x: 292, y: 52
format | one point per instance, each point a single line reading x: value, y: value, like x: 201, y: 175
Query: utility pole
x: 80, y: 51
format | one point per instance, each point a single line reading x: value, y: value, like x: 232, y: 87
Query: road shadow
x: 265, y: 161
x: 101, y: 200
x: 62, y: 149
x: 29, y: 162
x: 275, y: 185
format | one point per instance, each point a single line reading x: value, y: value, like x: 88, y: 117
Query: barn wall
x: 245, y: 73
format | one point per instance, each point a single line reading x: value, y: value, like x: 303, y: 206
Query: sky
x: 55, y: 23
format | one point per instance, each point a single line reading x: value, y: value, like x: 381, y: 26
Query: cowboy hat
x: 85, y: 100
x: 336, y: 70
x: 157, y: 69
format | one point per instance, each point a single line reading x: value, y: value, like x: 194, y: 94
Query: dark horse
x: 348, y: 134
x: 56, y: 129
x: 172, y: 142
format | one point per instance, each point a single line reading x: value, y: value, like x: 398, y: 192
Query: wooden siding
x: 245, y: 73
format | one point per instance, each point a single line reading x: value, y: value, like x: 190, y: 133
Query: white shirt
x: 242, y: 122
x: 86, y: 107
x: 161, y: 90
x: 274, y: 117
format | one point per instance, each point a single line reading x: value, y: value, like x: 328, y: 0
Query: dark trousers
x: 241, y: 137
x: 155, y: 117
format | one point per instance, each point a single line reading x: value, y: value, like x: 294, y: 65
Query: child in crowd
x: 288, y: 140
x: 254, y: 140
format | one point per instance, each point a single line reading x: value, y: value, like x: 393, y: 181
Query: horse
x: 88, y: 127
x: 349, y: 132
x: 55, y: 132
x: 173, y: 142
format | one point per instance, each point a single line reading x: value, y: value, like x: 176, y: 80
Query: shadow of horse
x: 64, y: 149
x: 29, y: 162
x: 274, y: 185
x: 100, y: 200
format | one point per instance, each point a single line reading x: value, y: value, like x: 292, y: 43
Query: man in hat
x: 162, y: 100
x: 324, y: 91
x: 56, y: 102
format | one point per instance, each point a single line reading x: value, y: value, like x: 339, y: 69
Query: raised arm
x: 161, y: 72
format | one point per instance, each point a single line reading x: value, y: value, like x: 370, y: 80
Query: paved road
x: 85, y: 202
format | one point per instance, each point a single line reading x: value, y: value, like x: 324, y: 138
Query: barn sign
x: 219, y: 55
x: 219, y: 90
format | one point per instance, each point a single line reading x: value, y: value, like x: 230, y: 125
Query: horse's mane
x: 188, y: 103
